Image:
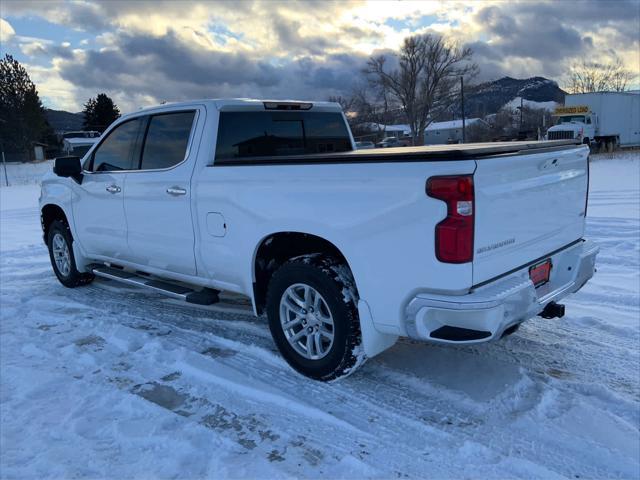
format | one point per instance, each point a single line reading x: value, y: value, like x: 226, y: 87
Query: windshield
x: 572, y: 118
x: 81, y: 150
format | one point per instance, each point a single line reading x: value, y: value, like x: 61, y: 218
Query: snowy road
x: 113, y: 382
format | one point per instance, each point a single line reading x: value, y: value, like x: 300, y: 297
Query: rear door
x: 98, y: 208
x: 527, y: 206
x: 157, y: 201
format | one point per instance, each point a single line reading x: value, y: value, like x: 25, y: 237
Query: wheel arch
x: 276, y: 248
x: 49, y: 213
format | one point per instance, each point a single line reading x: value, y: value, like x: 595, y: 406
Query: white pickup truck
x: 344, y: 250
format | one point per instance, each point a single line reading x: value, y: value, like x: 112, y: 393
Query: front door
x: 157, y: 198
x: 98, y: 207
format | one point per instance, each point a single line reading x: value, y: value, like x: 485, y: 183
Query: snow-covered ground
x: 515, y: 103
x: 23, y: 173
x: 112, y: 382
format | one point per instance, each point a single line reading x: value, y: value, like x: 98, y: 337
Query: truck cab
x: 574, y: 123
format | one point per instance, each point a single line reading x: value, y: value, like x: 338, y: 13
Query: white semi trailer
x: 604, y: 120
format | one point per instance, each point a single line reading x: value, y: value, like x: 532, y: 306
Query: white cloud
x: 272, y: 38
x: 32, y: 48
x: 55, y: 92
x: 6, y: 31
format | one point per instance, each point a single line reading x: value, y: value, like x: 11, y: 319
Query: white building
x: 435, y: 134
x: 447, y: 132
x: 397, y: 131
x: 78, y: 143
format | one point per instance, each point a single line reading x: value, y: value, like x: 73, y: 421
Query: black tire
x: 73, y: 278
x: 332, y: 280
x: 611, y: 146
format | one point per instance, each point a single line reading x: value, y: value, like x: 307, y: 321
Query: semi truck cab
x: 574, y: 123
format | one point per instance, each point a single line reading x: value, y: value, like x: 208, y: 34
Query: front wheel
x: 60, y: 243
x: 313, y: 317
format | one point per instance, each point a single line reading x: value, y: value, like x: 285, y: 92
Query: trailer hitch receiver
x: 552, y: 310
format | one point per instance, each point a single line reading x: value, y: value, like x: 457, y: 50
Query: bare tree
x: 587, y: 76
x: 425, y: 81
x: 505, y: 125
x: 620, y: 78
x: 367, y: 110
x: 346, y: 103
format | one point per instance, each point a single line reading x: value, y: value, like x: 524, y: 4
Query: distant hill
x: 489, y: 97
x: 62, y: 121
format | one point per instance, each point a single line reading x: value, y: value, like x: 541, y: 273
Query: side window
x: 167, y: 139
x: 116, y: 151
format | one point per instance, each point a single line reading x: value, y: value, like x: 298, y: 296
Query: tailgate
x: 527, y: 206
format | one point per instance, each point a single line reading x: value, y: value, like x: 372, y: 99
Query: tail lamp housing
x: 454, y: 234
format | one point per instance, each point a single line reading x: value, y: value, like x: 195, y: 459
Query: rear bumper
x: 489, y: 310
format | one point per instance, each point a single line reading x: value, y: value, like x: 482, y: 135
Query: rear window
x: 242, y: 135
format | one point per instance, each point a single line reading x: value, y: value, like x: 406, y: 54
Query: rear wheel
x: 60, y: 241
x: 313, y: 317
x: 611, y: 144
x: 602, y: 146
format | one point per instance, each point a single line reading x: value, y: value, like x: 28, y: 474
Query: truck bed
x: 431, y: 153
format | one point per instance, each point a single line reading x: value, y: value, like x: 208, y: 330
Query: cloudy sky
x: 143, y: 52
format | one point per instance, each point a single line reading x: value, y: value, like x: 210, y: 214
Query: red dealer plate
x: 539, y: 273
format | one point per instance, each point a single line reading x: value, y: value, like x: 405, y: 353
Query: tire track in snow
x: 193, y: 329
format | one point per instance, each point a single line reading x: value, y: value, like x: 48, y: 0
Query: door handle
x: 175, y: 191
x: 114, y: 189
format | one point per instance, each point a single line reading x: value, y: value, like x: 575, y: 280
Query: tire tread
x: 339, y: 273
x: 76, y: 278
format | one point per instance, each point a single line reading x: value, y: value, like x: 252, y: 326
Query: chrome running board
x: 206, y: 296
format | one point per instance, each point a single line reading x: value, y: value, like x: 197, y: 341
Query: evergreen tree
x: 22, y: 116
x: 99, y: 113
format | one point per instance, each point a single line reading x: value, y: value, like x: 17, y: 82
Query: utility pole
x: 464, y: 136
x: 521, y: 108
x: 4, y: 161
x: 4, y: 164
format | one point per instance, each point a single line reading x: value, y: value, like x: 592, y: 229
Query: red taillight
x: 454, y: 234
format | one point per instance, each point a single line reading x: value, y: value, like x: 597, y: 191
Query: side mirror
x: 68, y: 167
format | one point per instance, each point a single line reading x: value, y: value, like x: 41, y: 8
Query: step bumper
x: 487, y: 312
